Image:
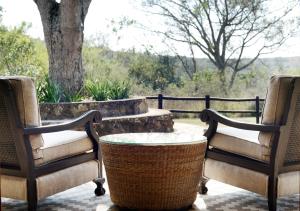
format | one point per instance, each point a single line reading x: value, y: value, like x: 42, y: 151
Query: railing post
x: 207, y: 101
x: 257, y: 109
x: 160, y: 101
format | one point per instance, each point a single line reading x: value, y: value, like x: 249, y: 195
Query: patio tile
x: 220, y: 197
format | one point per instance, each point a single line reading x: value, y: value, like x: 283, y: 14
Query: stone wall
x: 118, y: 116
x: 112, y: 108
x: 155, y: 120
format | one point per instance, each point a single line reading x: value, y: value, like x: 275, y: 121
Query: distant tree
x: 188, y: 63
x: 223, y: 30
x: 63, y: 24
x: 19, y: 53
x: 156, y: 72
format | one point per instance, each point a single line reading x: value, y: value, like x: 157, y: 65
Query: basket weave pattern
x: 293, y: 150
x: 8, y: 152
x: 153, y: 177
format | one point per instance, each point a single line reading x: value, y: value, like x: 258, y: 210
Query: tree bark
x: 63, y: 25
x: 223, y: 84
x: 233, y: 76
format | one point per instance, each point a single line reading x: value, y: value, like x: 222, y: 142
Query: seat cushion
x: 62, y: 144
x: 49, y: 184
x: 288, y: 183
x: 237, y: 176
x: 242, y: 142
x: 13, y: 187
x: 58, y: 181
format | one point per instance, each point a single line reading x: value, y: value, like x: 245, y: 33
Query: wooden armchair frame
x: 271, y: 168
x: 26, y: 167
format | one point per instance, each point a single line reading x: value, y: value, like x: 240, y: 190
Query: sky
x: 98, y: 22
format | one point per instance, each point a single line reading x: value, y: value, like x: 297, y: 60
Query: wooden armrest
x: 212, y: 118
x: 209, y: 115
x: 86, y: 118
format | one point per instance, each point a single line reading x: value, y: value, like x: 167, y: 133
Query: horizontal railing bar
x: 184, y: 111
x: 203, y: 99
x: 234, y: 99
x: 221, y: 111
x: 238, y: 111
x: 183, y: 98
x: 151, y: 97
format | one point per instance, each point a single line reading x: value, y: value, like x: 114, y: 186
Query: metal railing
x: 208, y: 99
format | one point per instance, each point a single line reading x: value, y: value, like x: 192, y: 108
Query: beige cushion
x: 236, y: 176
x: 27, y: 105
x: 62, y: 144
x: 50, y: 184
x: 289, y: 183
x: 277, y: 96
x: 242, y: 142
x: 13, y: 187
x: 16, y: 188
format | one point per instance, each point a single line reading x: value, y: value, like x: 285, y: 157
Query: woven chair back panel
x: 293, y: 147
x: 273, y: 111
x: 8, y: 152
x: 24, y: 94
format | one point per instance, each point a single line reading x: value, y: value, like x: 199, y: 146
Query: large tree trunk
x: 63, y: 25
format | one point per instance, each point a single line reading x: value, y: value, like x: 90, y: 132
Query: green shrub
x: 97, y: 90
x: 48, y: 91
x: 118, y: 90
x: 77, y: 97
x: 107, y: 90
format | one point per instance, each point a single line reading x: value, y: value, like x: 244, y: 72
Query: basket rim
x: 153, y: 139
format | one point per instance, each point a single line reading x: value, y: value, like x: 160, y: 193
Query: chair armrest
x: 208, y: 115
x: 212, y: 118
x: 86, y: 118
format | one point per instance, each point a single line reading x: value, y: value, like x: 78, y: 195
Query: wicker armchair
x: 39, y: 161
x: 262, y: 158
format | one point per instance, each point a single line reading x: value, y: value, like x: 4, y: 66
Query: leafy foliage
x: 119, y: 90
x: 157, y: 72
x: 19, y: 54
x: 107, y: 90
x: 77, y: 97
x: 97, y: 90
x: 48, y: 91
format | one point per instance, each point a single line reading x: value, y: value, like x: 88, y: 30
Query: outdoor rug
x: 219, y: 197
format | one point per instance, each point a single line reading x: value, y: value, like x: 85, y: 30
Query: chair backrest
x: 277, y: 100
x: 18, y: 109
x: 8, y: 154
x: 288, y: 152
x: 282, y: 107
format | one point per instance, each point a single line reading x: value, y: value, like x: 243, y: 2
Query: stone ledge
x: 111, y: 108
x: 155, y: 120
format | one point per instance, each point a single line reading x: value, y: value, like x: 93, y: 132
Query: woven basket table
x: 153, y: 171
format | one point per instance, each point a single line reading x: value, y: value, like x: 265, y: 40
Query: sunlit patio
x: 219, y: 197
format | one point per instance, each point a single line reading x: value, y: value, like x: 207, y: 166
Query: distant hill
x: 283, y: 63
x: 270, y: 64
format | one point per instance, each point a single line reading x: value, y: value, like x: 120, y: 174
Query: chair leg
x: 32, y: 205
x: 99, y: 191
x: 272, y: 194
x: 272, y: 202
x: 31, y: 195
x: 202, y: 187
